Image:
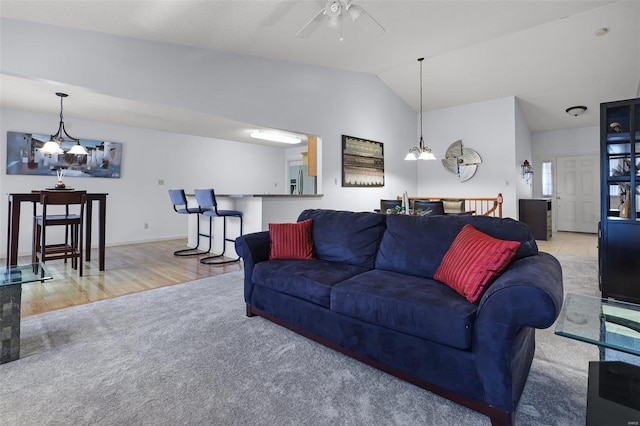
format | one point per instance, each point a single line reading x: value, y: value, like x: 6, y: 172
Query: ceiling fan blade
x: 363, y: 15
x: 312, y: 25
x: 280, y: 10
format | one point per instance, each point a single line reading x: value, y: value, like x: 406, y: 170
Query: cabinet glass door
x: 622, y: 163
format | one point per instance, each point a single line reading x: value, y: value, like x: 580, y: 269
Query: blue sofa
x: 369, y: 293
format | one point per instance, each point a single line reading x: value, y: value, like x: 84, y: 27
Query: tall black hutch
x: 619, y: 236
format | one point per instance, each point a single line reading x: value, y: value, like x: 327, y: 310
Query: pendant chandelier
x: 420, y: 152
x: 54, y: 145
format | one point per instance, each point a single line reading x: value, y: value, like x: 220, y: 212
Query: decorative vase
x: 624, y: 209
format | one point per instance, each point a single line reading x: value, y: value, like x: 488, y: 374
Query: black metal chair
x: 207, y: 201
x: 179, y: 201
x: 42, y: 249
x: 389, y: 204
x: 428, y: 207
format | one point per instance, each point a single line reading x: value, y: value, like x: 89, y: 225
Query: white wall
x: 488, y: 128
x: 547, y: 145
x: 297, y: 97
x: 182, y: 161
x: 578, y: 141
x: 524, y: 151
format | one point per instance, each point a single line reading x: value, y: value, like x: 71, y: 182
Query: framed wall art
x: 25, y: 158
x: 362, y: 162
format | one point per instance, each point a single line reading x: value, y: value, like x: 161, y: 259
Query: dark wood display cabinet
x: 619, y: 233
x: 537, y: 214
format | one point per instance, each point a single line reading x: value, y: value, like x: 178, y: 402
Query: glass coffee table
x: 11, y: 280
x: 614, y: 382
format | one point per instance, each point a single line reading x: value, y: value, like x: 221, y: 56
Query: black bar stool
x: 207, y: 201
x: 179, y: 201
x: 42, y: 249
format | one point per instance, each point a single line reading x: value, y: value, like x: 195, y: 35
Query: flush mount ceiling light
x: 576, y: 110
x: 54, y: 144
x: 420, y: 152
x: 275, y: 137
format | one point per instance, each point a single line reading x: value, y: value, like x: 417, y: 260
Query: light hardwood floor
x: 128, y: 269
x: 139, y: 267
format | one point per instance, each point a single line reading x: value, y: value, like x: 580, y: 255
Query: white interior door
x: 577, y: 193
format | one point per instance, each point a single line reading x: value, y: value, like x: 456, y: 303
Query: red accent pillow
x: 291, y: 240
x: 473, y: 261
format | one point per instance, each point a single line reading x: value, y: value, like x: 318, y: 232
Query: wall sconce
x: 527, y: 171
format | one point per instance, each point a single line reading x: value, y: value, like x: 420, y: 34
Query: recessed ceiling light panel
x: 274, y: 136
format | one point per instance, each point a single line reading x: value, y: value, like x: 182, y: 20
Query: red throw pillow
x: 473, y: 261
x: 291, y: 240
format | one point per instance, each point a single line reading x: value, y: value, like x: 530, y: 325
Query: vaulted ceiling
x: 546, y: 53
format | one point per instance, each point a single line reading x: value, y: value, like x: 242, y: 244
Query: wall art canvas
x: 25, y: 158
x: 362, y: 162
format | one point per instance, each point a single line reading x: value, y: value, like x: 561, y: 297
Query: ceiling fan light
x: 354, y: 11
x: 333, y: 22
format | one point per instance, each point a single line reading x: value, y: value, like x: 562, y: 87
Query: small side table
x: 614, y: 385
x: 11, y: 280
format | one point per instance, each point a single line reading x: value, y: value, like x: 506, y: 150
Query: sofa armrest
x: 528, y: 294
x: 252, y: 248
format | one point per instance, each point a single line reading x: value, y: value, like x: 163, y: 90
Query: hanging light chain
x: 421, y: 127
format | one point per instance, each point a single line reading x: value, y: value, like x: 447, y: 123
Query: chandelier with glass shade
x: 54, y: 145
x: 420, y: 152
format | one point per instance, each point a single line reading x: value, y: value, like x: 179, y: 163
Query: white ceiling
x: 545, y: 53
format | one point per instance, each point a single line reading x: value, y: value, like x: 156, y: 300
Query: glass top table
x: 22, y: 274
x: 603, y: 322
x: 11, y: 280
x: 613, y: 393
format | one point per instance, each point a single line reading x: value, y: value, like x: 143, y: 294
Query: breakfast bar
x: 258, y: 211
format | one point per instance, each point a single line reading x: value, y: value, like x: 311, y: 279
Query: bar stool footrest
x: 190, y: 252
x: 207, y: 260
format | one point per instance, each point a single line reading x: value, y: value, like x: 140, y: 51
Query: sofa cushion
x: 415, y: 245
x: 473, y: 261
x: 307, y: 279
x: 421, y: 307
x: 291, y: 240
x: 346, y: 237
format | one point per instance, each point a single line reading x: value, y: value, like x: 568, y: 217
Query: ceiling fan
x: 332, y: 13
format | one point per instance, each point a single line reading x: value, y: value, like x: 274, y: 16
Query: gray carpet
x: 187, y: 354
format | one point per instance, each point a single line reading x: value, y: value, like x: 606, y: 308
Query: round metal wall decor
x: 461, y: 161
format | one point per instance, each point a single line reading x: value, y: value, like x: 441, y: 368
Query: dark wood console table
x: 15, y: 201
